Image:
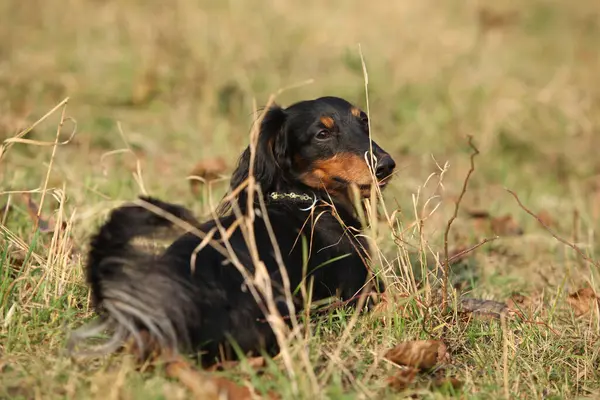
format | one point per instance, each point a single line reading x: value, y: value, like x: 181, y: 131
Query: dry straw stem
x: 17, y: 138
x: 47, y: 179
x: 505, y: 355
x: 259, y: 283
x: 446, y: 269
x: 564, y: 241
x: 261, y: 279
x: 371, y: 162
x: 137, y: 175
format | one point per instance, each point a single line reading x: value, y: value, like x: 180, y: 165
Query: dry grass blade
x: 9, y: 142
x: 46, y: 144
x: 49, y: 170
x: 505, y: 371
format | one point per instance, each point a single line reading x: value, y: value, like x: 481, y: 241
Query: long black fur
x: 208, y: 307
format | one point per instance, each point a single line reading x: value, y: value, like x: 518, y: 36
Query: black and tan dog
x: 193, y: 297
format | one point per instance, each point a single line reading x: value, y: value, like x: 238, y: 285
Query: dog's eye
x: 364, y: 119
x: 323, y: 134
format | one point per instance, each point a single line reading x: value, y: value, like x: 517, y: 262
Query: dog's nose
x: 385, y: 167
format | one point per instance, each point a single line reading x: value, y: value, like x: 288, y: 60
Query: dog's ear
x: 273, y: 140
x: 271, y: 158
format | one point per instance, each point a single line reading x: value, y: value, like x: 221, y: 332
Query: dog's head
x: 320, y: 145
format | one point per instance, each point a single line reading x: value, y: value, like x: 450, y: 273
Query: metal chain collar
x: 290, y: 196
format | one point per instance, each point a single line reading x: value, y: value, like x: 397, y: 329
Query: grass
x: 176, y: 83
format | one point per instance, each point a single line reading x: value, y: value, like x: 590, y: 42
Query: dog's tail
x: 135, y: 291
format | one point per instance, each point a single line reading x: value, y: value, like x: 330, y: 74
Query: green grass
x: 177, y: 83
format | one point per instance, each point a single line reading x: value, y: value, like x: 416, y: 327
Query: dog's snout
x: 385, y: 167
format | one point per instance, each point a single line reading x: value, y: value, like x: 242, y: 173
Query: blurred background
x: 179, y: 80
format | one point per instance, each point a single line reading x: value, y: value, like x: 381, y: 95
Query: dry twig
x: 446, y: 269
x: 471, y: 249
x: 563, y: 241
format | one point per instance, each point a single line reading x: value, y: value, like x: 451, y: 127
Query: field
x: 154, y: 88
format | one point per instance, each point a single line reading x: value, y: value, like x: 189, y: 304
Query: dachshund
x: 299, y: 227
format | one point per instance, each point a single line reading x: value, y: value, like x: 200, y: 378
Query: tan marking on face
x: 355, y: 111
x: 328, y: 122
x: 347, y: 166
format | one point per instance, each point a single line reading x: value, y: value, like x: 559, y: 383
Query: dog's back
x: 293, y: 250
x: 198, y: 299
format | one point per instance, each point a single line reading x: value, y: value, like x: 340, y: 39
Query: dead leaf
x: 484, y: 222
x: 402, y: 379
x: 525, y: 306
x: 206, y: 170
x: 583, y: 301
x: 491, y: 19
x: 424, y: 354
x: 232, y: 390
x: 398, y: 304
x: 546, y: 218
x: 4, y: 211
x: 17, y: 262
x: 45, y: 225
x: 208, y: 387
x: 255, y: 363
x: 505, y: 226
x: 483, y: 308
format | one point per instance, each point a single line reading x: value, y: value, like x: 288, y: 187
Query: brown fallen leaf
x: 402, y: 379
x: 423, y: 354
x: 3, y: 365
x: 17, y: 262
x: 4, y: 211
x: 254, y: 363
x: 525, y: 306
x: 206, y: 170
x: 546, y: 218
x: 484, y: 222
x: 398, y: 304
x: 583, y: 301
x: 45, y: 225
x: 206, y: 386
x: 490, y: 19
x: 483, y: 308
x: 505, y: 226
